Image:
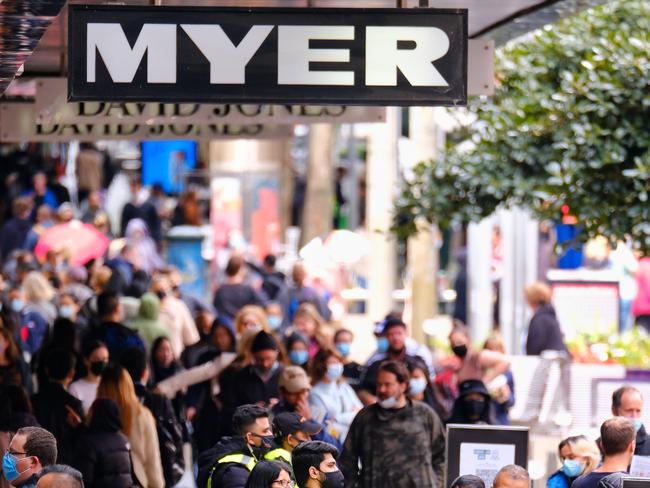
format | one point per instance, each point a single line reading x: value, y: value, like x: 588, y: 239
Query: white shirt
x: 84, y: 390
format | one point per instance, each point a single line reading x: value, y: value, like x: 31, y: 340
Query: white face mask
x: 389, y: 403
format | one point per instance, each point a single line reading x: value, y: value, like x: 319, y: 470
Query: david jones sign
x: 261, y: 55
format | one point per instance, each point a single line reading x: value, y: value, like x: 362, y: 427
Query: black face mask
x: 334, y: 479
x: 268, y: 443
x: 474, y: 408
x: 97, y: 367
x: 460, y: 351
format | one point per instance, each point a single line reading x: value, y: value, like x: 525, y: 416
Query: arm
x: 198, y: 374
x: 496, y: 362
x: 438, y: 448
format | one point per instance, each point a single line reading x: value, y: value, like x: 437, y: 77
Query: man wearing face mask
x: 627, y: 402
x: 290, y: 430
x: 314, y: 465
x: 393, y: 344
x: 230, y: 461
x: 395, y: 442
x: 30, y: 450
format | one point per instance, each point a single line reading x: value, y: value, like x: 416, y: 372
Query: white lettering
x: 227, y: 61
x: 158, y: 40
x: 294, y: 55
x: 383, y: 58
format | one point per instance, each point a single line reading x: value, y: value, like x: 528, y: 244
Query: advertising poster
x: 485, y: 460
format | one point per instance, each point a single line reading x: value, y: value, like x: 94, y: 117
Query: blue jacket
x: 559, y: 480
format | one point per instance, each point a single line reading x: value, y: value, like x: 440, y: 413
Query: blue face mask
x: 417, y: 386
x: 382, y: 344
x: 572, y: 468
x: 17, y: 304
x: 638, y: 423
x: 334, y: 371
x: 9, y: 468
x: 66, y: 311
x: 274, y: 322
x: 343, y: 348
x: 298, y: 357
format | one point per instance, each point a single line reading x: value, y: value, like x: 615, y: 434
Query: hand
x: 273, y: 402
x: 302, y: 408
x: 73, y: 419
x: 190, y: 413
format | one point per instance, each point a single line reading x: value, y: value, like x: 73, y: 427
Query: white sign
x: 640, y: 467
x: 485, y: 460
x: 17, y: 124
x: 52, y: 108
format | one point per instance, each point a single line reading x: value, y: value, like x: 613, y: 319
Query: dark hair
x: 269, y: 260
x: 40, y: 443
x: 235, y: 263
x: 59, y: 363
x: 156, y: 345
x: 616, y: 435
x: 468, y: 481
x: 293, y: 338
x: 91, y: 347
x: 342, y: 331
x: 246, y: 415
x: 265, y: 473
x: 134, y: 360
x: 11, y: 352
x: 308, y: 454
x: 67, y: 476
x: 318, y: 367
x: 63, y: 334
x: 415, y: 362
x: 398, y: 369
x: 617, y: 396
x: 107, y: 303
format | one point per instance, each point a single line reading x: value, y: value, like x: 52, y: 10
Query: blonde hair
x: 37, y: 288
x: 119, y: 388
x: 255, y: 310
x: 583, y: 447
x: 538, y: 293
x: 494, y: 342
x: 100, y: 277
x: 322, y: 333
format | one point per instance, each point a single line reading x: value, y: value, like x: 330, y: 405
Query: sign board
x: 268, y: 55
x: 17, y: 124
x: 636, y: 482
x: 482, y: 450
x: 52, y: 108
x: 480, y: 67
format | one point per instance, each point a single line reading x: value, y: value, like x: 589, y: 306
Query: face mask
x: 572, y: 468
x: 474, y: 408
x: 417, y: 386
x: 98, y: 367
x: 274, y: 322
x: 389, y: 403
x: 334, y: 479
x: 298, y: 357
x: 382, y: 344
x: 460, y: 351
x: 9, y: 467
x: 66, y: 311
x: 637, y: 424
x: 17, y: 304
x: 334, y: 371
x: 343, y: 348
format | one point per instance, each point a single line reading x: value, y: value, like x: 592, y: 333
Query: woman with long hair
x: 13, y: 369
x: 579, y: 457
x: 270, y: 474
x: 138, y: 425
x: 308, y: 322
x: 251, y: 317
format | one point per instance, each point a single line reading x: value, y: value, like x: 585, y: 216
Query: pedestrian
x: 291, y: 429
x: 473, y: 405
x: 314, y: 466
x: 579, y: 457
x: 275, y: 317
x: 343, y: 339
x: 95, y: 357
x: 138, y: 424
x: 544, y: 332
x: 30, y: 450
x: 38, y: 296
x: 145, y: 253
x: 502, y: 388
x: 270, y: 474
x: 297, y: 346
x: 230, y: 461
x: 251, y: 318
x: 234, y: 294
x: 15, y: 230
x: 395, y: 442
x: 421, y: 387
x: 331, y: 393
x: 103, y: 452
x: 192, y: 353
x: 627, y: 402
x: 617, y: 442
x: 300, y: 293
x: 147, y: 323
x: 468, y: 481
x: 13, y: 368
x: 308, y: 322
x: 88, y: 170
x: 512, y: 476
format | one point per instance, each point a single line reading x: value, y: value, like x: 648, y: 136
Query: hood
x: 226, y: 323
x: 149, y: 307
x: 105, y: 416
x: 614, y: 480
x: 136, y: 226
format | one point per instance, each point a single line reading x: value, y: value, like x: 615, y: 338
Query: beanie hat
x: 264, y: 341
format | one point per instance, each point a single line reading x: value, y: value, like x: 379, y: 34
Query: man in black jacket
x: 627, y: 402
x: 230, y: 461
x: 170, y: 433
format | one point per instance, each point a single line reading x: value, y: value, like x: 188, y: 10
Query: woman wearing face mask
x: 351, y: 369
x: 331, y: 393
x: 251, y: 318
x: 297, y: 347
x: 579, y: 456
x: 473, y: 404
x: 482, y: 365
x: 13, y: 369
x: 420, y: 388
x: 95, y: 358
x: 308, y: 322
x: 274, y: 316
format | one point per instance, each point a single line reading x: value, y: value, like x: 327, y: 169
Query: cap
x: 290, y: 422
x: 294, y: 379
x: 472, y: 386
x: 264, y: 341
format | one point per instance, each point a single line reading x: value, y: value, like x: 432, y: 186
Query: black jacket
x: 103, y: 452
x: 642, y: 443
x: 117, y: 337
x: 544, y: 333
x: 225, y: 475
x: 50, y: 411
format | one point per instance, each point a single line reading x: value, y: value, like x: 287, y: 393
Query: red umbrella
x: 82, y: 241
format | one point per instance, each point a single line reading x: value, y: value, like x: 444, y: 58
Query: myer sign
x: 261, y: 55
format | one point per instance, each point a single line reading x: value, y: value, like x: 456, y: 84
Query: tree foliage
x: 569, y: 124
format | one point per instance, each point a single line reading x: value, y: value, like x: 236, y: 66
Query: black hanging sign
x: 408, y: 57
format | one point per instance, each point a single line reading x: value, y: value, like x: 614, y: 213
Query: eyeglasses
x: 15, y: 453
x: 283, y: 483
